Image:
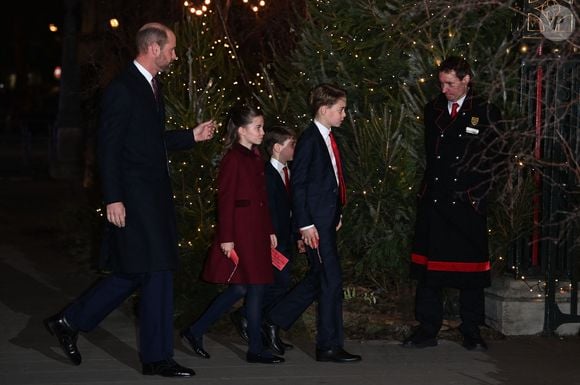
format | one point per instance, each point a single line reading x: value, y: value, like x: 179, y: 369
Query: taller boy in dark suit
x: 318, y: 195
x: 140, y: 244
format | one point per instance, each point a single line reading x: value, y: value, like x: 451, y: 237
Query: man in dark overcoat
x: 140, y: 241
x: 450, y: 247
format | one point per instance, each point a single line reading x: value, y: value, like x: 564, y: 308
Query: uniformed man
x: 450, y: 247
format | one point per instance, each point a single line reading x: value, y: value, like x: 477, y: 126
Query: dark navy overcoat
x: 132, y: 158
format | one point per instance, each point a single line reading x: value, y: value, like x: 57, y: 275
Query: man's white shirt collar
x: 459, y: 102
x: 143, y: 71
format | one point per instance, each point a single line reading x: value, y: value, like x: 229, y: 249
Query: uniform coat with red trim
x: 243, y: 218
x: 450, y: 247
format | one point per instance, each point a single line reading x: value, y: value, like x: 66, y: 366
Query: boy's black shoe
x: 67, y: 336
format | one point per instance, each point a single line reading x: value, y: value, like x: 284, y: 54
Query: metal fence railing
x: 550, y: 91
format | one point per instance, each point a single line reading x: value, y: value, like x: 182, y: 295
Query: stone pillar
x: 512, y: 309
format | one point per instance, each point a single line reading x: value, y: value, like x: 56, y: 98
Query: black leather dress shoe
x: 272, y: 337
x: 474, y: 343
x: 336, y: 355
x: 241, y: 324
x: 58, y: 326
x: 283, y: 343
x: 167, y: 368
x: 419, y: 340
x: 263, y: 358
x: 194, y: 343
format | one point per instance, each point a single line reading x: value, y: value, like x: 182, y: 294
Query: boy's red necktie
x: 341, y: 185
x: 286, y: 179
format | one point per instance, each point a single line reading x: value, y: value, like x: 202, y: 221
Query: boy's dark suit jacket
x: 280, y: 207
x: 315, y: 198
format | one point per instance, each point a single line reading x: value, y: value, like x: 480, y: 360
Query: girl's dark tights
x: 223, y: 302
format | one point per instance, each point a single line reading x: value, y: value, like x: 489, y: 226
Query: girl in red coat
x: 241, y: 253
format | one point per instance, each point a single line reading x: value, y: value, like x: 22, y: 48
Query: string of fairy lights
x: 200, y: 8
x: 263, y: 86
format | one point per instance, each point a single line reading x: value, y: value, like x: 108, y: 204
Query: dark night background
x: 35, y: 106
x: 51, y: 221
x: 27, y: 62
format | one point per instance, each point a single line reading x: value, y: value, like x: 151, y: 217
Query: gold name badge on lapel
x: 471, y: 130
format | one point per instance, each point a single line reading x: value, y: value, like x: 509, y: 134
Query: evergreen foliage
x: 202, y: 85
x: 384, y: 53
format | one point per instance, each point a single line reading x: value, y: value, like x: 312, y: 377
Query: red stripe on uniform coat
x: 463, y: 267
x: 419, y: 259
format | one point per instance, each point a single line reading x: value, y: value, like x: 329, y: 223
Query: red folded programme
x: 279, y: 260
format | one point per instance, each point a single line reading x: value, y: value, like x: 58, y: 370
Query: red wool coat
x: 243, y: 218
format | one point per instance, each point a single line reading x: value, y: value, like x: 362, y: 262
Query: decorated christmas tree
x: 202, y: 85
x: 212, y: 73
x: 385, y: 54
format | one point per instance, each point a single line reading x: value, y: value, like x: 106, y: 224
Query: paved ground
x: 36, y: 279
